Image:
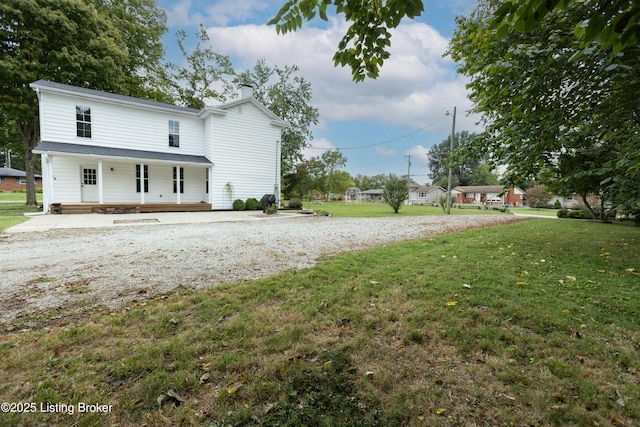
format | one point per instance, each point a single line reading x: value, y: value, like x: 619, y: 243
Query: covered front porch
x: 105, y: 180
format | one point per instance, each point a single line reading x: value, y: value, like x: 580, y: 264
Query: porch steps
x: 86, y: 208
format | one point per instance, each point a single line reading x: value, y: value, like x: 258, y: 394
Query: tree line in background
x: 323, y: 175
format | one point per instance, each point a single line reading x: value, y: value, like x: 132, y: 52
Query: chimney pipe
x: 246, y: 91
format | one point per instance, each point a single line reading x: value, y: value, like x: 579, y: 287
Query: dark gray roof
x: 427, y: 188
x: 93, y: 150
x: 10, y: 172
x: 60, y: 87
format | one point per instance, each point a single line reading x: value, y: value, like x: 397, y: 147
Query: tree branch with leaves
x: 365, y: 46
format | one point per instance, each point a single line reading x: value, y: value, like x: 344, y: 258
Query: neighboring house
x: 570, y: 201
x: 488, y: 195
x: 426, y: 195
x: 373, y: 195
x: 15, y: 180
x: 102, y: 149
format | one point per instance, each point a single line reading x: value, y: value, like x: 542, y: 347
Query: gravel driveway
x: 113, y: 266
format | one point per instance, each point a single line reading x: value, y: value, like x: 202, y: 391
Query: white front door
x: 89, y: 183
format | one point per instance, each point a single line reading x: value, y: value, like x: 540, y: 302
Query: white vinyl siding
x: 119, y: 126
x: 66, y: 179
x: 244, y: 153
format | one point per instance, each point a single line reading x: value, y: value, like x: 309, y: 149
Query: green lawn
x: 13, y: 213
x: 378, y: 209
x: 532, y: 323
x: 535, y: 211
x: 17, y: 197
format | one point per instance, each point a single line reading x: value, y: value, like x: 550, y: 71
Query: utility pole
x: 453, y: 135
x: 408, y: 169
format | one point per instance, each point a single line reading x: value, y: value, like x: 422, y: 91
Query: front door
x: 89, y: 183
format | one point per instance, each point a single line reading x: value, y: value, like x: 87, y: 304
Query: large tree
x: 205, y: 75
x: 467, y: 170
x: 142, y: 25
x: 364, y: 182
x: 615, y: 23
x: 544, y: 97
x: 288, y: 96
x: 76, y: 42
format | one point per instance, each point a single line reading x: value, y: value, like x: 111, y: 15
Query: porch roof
x: 46, y: 147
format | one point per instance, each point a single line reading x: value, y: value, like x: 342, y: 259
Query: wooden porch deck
x: 86, y: 208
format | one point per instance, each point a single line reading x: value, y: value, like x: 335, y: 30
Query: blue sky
x: 400, y: 114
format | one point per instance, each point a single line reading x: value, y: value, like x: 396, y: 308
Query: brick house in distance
x: 15, y: 180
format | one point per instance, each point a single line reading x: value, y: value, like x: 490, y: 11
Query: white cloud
x: 181, y: 14
x: 318, y: 146
x: 416, y: 86
x: 385, y: 151
x: 186, y: 13
x: 419, y: 155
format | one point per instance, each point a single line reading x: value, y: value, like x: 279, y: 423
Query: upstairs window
x: 83, y: 122
x: 174, y: 133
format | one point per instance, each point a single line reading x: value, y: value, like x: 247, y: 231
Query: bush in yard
x: 563, y: 213
x: 272, y: 210
x: 557, y: 204
x: 580, y: 214
x: 295, y: 203
x: 238, y: 205
x: 538, y: 196
x: 395, y: 192
x: 252, y: 204
x: 443, y: 203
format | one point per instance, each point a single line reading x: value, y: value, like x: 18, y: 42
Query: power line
x: 380, y: 143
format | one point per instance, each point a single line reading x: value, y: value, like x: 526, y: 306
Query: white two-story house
x: 103, y: 149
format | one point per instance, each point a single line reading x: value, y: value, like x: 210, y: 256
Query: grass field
x: 377, y: 209
x: 533, y: 323
x: 17, y: 197
x: 535, y: 211
x: 13, y: 213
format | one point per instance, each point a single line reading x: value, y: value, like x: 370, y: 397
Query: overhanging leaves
x: 364, y: 47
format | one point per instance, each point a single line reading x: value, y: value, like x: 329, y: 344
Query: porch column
x: 47, y: 182
x: 100, y: 183
x: 141, y: 183
x: 210, y: 175
x: 178, y: 187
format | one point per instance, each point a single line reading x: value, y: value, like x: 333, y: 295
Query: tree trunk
x: 588, y: 206
x: 29, y: 132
